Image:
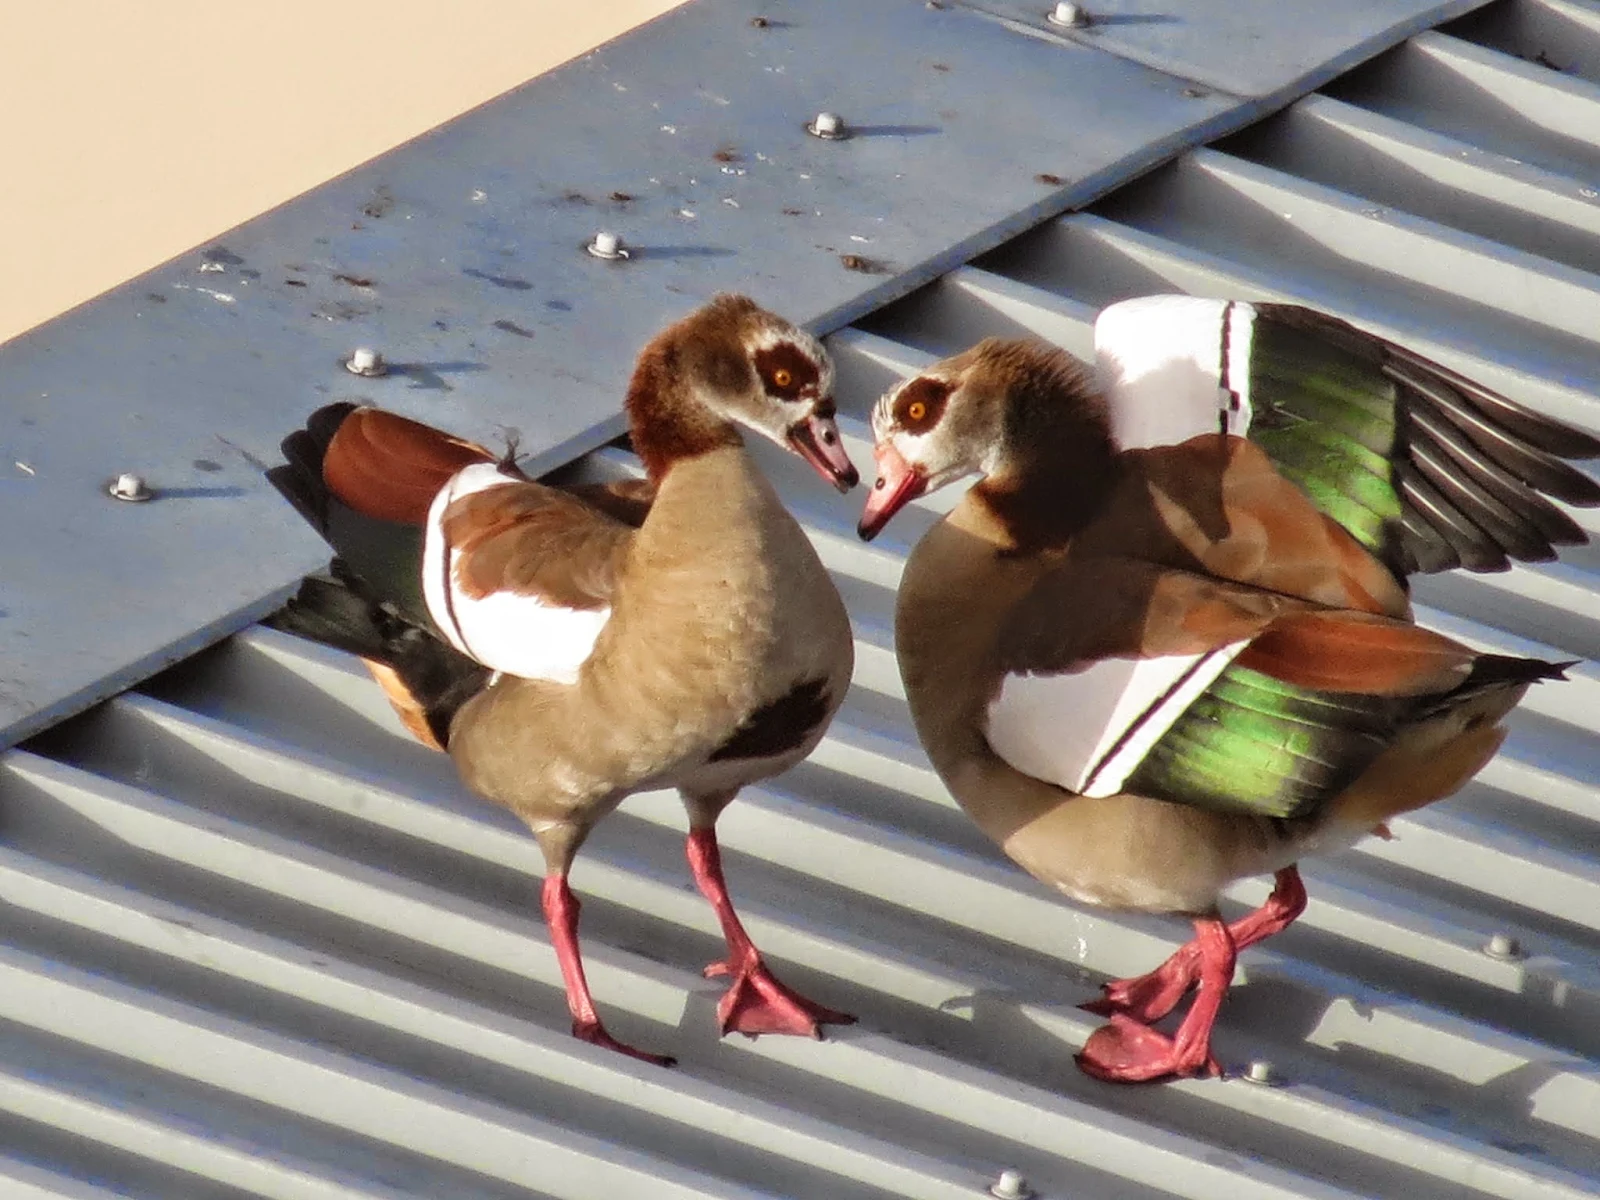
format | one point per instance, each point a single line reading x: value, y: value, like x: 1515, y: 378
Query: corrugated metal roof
x: 256, y: 942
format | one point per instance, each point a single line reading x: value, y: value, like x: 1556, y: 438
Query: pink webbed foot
x: 595, y: 1034
x: 1128, y: 1051
x: 756, y: 1002
x: 1148, y: 998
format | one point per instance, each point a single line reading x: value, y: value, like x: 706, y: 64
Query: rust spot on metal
x: 1048, y: 179
x: 863, y: 264
x: 353, y: 280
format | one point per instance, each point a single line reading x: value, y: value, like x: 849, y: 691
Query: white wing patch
x: 1087, y: 731
x: 1173, y: 367
x: 511, y: 632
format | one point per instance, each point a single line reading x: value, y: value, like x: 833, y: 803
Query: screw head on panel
x: 366, y: 362
x: 1068, y: 16
x: 1263, y: 1072
x: 1503, y: 946
x: 129, y: 487
x: 828, y: 126
x: 608, y: 246
x: 1011, y: 1185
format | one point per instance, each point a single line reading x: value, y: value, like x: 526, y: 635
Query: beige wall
x: 132, y: 131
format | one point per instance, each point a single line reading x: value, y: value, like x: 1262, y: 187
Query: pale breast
x: 725, y: 636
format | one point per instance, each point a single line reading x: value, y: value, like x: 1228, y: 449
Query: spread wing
x: 1427, y: 469
x: 519, y: 575
x: 1220, y: 506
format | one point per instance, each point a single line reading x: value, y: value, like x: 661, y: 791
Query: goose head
x: 734, y: 363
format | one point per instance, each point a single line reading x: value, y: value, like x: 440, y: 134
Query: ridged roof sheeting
x: 256, y: 942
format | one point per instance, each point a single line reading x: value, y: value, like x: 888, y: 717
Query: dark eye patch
x: 801, y: 369
x: 920, y: 404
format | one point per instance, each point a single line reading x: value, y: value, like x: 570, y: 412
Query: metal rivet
x: 607, y: 246
x: 1068, y: 16
x: 1503, y: 946
x: 1261, y: 1071
x: 366, y: 362
x: 828, y: 126
x: 1011, y: 1185
x: 129, y: 487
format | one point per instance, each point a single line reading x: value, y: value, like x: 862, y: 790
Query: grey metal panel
x: 257, y: 942
x: 460, y: 257
x: 1261, y: 48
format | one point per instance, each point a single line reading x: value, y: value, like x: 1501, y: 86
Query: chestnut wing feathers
x: 533, y: 540
x: 519, y: 575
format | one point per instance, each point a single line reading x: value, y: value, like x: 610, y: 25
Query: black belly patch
x: 779, y: 727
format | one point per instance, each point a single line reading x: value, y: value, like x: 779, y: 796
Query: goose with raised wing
x: 1164, y: 642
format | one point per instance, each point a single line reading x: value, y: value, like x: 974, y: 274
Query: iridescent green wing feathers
x: 1253, y: 744
x: 1425, y: 468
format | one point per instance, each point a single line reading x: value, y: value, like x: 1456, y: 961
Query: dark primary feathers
x: 335, y: 611
x: 1425, y: 467
x: 365, y: 480
x: 371, y: 604
x: 382, y: 545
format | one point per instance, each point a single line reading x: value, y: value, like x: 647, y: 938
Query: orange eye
x: 916, y: 410
x: 782, y: 377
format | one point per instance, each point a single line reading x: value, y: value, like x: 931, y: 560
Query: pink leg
x: 755, y: 1001
x: 1150, y: 997
x: 1128, y: 1051
x: 561, y: 913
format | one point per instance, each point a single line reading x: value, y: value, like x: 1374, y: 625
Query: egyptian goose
x: 1165, y: 643
x: 568, y: 648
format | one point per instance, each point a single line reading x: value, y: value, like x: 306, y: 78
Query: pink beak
x: 816, y: 439
x: 898, y: 484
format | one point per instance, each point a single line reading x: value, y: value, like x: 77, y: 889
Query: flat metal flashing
x: 1257, y: 49
x: 460, y: 258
